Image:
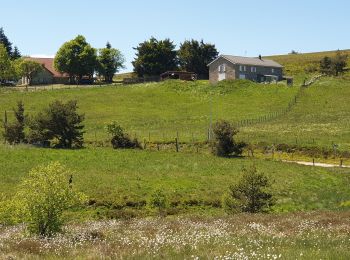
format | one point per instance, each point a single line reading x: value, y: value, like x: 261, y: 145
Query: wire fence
x: 281, y: 112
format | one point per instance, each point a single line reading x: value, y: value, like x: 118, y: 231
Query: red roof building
x: 49, y: 75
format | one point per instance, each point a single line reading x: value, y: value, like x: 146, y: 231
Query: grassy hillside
x: 320, y: 118
x: 161, y: 109
x: 116, y: 180
x: 295, y: 64
x: 121, y: 76
x: 193, y: 182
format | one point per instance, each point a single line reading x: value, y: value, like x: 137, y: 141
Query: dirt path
x: 324, y: 165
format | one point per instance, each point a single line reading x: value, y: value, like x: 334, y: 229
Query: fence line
x: 281, y: 112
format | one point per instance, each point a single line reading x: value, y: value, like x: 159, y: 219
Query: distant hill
x: 304, y: 62
x: 121, y: 76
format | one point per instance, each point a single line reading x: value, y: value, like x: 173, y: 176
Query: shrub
x: 120, y: 140
x: 59, y: 123
x: 250, y: 193
x: 224, y: 144
x: 14, y: 133
x: 159, y: 201
x: 43, y: 196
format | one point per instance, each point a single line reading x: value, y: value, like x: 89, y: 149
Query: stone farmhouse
x: 234, y: 67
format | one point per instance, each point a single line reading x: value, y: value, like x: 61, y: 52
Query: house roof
x: 48, y: 64
x: 249, y: 61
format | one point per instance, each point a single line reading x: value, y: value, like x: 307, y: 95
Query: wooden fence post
x: 177, y: 145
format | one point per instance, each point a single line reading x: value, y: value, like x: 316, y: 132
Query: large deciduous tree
x: 110, y: 60
x: 195, y: 56
x: 76, y: 58
x: 28, y: 68
x: 154, y: 57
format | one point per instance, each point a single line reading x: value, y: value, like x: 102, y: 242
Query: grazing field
x: 310, y: 218
x: 320, y: 118
x: 301, y: 63
x: 119, y: 181
x: 317, y: 235
x: 160, y: 110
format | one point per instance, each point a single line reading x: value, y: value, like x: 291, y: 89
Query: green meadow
x: 115, y: 179
x: 309, y: 219
x: 160, y: 110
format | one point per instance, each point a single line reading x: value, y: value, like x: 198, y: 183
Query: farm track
x: 323, y: 165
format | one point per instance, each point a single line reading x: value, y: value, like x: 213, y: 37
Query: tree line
x: 333, y: 66
x: 154, y: 57
x: 78, y: 59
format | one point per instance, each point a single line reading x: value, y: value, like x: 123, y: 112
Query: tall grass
x: 320, y: 235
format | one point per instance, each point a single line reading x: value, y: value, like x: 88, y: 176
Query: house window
x: 273, y: 70
x: 242, y: 68
x: 222, y: 68
x: 253, y: 69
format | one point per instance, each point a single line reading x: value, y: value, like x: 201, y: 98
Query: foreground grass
x: 317, y: 235
x: 121, y: 180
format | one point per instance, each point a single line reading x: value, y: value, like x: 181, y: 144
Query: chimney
x: 260, y: 57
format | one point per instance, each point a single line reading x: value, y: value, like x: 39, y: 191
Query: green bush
x: 120, y: 140
x: 250, y: 194
x: 159, y: 201
x: 224, y: 144
x: 43, y: 196
x: 60, y: 124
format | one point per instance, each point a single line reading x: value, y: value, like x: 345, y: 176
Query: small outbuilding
x: 182, y: 75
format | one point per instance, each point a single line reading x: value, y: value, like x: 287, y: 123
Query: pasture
x: 310, y: 218
x: 115, y: 180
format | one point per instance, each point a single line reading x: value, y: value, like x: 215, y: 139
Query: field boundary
x: 281, y: 112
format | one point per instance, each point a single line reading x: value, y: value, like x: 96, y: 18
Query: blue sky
x: 253, y: 27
